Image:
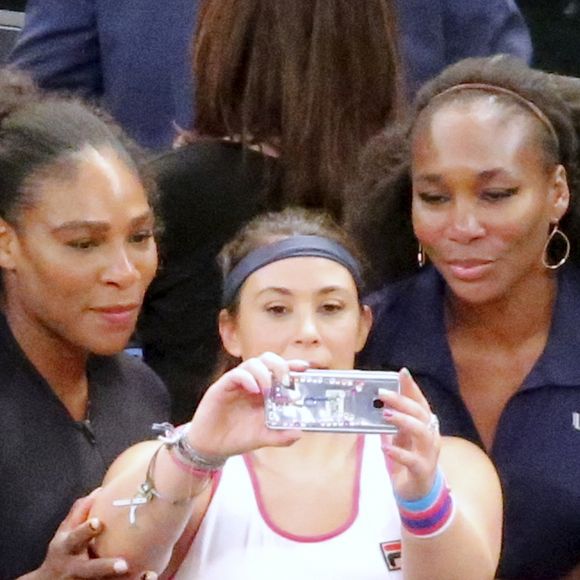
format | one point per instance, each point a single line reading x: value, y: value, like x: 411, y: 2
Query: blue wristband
x: 425, y: 502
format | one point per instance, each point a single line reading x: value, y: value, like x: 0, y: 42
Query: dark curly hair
x: 379, y: 199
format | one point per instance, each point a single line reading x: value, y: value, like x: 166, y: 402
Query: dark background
x: 555, y: 30
x: 554, y: 26
x: 14, y: 5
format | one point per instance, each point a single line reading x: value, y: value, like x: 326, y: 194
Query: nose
x: 465, y: 224
x: 307, y: 333
x: 120, y: 269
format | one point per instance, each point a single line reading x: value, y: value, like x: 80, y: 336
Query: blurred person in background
x: 284, y: 105
x: 133, y: 56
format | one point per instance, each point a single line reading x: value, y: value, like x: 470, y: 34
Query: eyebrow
x: 99, y: 225
x: 491, y: 173
x: 430, y: 178
x: 287, y: 292
x: 486, y: 175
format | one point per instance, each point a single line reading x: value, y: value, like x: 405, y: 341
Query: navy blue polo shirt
x: 536, y: 449
x: 47, y: 459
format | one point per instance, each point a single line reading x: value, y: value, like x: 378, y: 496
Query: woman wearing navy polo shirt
x: 483, y: 300
x: 77, y: 252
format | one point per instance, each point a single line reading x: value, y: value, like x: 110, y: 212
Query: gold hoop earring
x: 545, y: 254
x: 421, y: 258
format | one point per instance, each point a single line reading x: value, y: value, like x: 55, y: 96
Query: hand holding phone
x: 331, y: 401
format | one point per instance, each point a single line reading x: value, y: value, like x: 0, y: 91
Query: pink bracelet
x: 188, y: 467
x: 431, y: 515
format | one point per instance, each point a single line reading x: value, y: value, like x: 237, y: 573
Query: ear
x: 364, y: 327
x: 559, y: 194
x: 229, y: 333
x: 7, y: 245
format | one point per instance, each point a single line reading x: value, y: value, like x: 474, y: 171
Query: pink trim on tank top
x: 215, y: 479
x: 322, y: 537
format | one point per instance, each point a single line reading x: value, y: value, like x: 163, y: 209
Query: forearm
x: 469, y: 545
x: 459, y: 552
x: 145, y: 534
x: 229, y: 421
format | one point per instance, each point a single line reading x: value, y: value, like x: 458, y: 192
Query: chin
x: 108, y: 348
x: 476, y: 296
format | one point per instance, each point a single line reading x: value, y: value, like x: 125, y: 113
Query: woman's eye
x: 332, y: 307
x: 84, y: 244
x: 499, y: 194
x: 277, y: 309
x: 433, y: 198
x: 141, y: 237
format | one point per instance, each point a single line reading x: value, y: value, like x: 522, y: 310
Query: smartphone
x: 331, y: 401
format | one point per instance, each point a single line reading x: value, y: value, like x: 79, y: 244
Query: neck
x: 62, y: 365
x: 524, y: 311
x: 310, y: 452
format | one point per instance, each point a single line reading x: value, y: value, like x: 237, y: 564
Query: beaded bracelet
x: 430, y: 515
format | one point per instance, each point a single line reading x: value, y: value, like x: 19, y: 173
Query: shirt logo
x: 576, y: 421
x: 392, y: 554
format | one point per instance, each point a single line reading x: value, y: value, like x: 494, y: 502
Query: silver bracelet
x: 147, y: 492
x: 176, y: 440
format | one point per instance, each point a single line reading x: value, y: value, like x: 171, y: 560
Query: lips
x: 316, y: 365
x: 469, y: 270
x: 118, y: 314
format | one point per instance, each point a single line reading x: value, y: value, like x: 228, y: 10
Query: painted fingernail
x: 405, y: 372
x: 94, y: 524
x: 388, y: 413
x: 385, y: 392
x: 286, y: 380
x: 149, y: 575
x: 120, y: 567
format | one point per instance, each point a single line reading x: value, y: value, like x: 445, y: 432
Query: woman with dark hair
x: 284, y: 103
x: 77, y: 253
x: 482, y: 209
x: 228, y: 497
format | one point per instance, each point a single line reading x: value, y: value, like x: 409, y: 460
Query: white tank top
x: 238, y: 541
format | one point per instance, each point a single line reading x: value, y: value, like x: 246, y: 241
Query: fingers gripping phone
x: 331, y: 401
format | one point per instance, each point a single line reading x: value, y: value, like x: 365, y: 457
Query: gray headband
x: 292, y: 247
